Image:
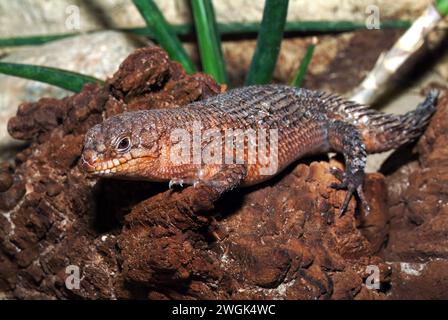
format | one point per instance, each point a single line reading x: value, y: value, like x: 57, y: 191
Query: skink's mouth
x: 116, y: 166
x: 107, y: 167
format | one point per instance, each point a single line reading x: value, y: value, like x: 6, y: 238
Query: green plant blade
x: 33, y: 40
x: 290, y: 26
x: 340, y: 26
x: 61, y: 78
x: 223, y: 28
x: 209, y: 40
x: 163, y: 33
x: 442, y: 7
x: 268, y: 42
x: 303, y: 68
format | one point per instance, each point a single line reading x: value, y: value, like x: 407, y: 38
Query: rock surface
x: 418, y: 245
x: 133, y: 239
x: 51, y: 215
x: 282, y: 239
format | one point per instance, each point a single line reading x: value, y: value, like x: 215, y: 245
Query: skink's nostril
x: 88, y: 157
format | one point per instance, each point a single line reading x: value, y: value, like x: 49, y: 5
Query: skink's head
x: 123, y: 145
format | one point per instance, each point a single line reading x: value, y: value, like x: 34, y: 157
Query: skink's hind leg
x: 345, y: 138
x: 352, y: 184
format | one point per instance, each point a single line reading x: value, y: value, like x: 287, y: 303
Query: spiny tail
x: 381, y: 131
x: 388, y: 131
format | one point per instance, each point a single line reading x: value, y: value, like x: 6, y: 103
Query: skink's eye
x: 123, y: 144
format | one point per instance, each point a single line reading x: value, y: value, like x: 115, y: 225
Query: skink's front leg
x: 210, y: 189
x: 345, y: 138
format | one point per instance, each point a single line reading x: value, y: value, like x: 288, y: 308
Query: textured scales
x: 137, y: 145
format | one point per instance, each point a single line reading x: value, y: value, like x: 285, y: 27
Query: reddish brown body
x: 139, y: 145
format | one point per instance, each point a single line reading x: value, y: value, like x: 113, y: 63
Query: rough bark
x: 281, y: 239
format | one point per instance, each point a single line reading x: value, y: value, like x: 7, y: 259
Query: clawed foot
x: 351, y: 182
x: 175, y: 182
x: 180, y: 182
